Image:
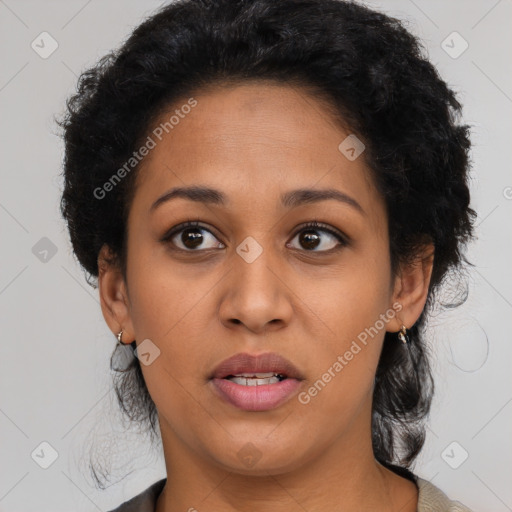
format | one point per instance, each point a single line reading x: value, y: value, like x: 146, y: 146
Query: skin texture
x: 253, y: 142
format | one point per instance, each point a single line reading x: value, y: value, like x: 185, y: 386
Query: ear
x: 411, y: 289
x: 113, y: 293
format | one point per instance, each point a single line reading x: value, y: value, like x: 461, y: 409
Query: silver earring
x: 403, y: 336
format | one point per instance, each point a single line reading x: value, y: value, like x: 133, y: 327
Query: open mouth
x: 256, y: 382
x: 257, y: 379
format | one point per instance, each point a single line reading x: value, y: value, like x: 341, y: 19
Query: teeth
x: 257, y: 375
x: 254, y: 381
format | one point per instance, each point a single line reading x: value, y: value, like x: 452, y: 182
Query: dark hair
x: 376, y: 78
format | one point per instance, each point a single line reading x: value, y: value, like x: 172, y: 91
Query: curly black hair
x: 376, y: 78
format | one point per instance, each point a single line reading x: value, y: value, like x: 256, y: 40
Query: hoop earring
x: 119, y: 335
x: 403, y: 336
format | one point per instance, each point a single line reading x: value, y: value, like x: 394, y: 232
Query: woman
x: 269, y: 195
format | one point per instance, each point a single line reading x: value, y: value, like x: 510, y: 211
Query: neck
x: 345, y: 476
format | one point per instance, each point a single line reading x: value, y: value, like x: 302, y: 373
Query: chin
x: 261, y: 458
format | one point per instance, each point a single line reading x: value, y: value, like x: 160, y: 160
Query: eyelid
x: 185, y: 225
x: 314, y: 224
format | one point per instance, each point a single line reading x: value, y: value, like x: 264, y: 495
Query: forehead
x: 253, y: 141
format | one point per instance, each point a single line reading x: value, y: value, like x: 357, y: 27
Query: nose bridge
x: 257, y: 292
x: 253, y: 268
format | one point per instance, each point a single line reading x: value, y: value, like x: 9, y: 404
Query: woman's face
x: 251, y: 279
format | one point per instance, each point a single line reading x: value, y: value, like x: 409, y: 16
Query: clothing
x: 430, y: 499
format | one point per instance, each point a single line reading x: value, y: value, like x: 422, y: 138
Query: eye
x: 192, y: 237
x: 310, y: 238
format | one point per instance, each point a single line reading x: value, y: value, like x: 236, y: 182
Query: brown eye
x: 313, y: 236
x: 309, y: 239
x: 192, y: 237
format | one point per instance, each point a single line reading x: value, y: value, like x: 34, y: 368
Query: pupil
x: 309, y: 239
x: 191, y: 238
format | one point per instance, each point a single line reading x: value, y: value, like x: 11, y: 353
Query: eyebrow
x: 291, y: 199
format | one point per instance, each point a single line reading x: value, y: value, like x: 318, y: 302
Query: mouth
x: 260, y: 379
x: 256, y: 383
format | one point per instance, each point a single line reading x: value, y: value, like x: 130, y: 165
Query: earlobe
x: 113, y: 295
x: 411, y: 288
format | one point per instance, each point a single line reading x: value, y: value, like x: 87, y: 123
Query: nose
x: 256, y: 295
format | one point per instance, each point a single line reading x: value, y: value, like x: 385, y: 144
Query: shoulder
x: 432, y: 499
x: 143, y: 502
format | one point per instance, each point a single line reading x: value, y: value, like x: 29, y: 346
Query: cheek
x: 173, y: 311
x: 350, y: 300
x: 352, y: 317
x: 164, y: 297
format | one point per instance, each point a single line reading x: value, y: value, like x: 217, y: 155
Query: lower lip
x: 256, y: 398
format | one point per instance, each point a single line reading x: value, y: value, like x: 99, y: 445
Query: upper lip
x: 262, y: 363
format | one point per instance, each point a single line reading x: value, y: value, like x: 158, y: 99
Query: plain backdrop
x: 54, y: 355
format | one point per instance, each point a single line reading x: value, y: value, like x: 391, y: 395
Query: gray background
x: 54, y: 378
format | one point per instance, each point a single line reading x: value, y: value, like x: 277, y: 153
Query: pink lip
x: 262, y: 363
x: 256, y: 398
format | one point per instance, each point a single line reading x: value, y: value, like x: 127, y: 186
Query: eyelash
x: 308, y: 226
